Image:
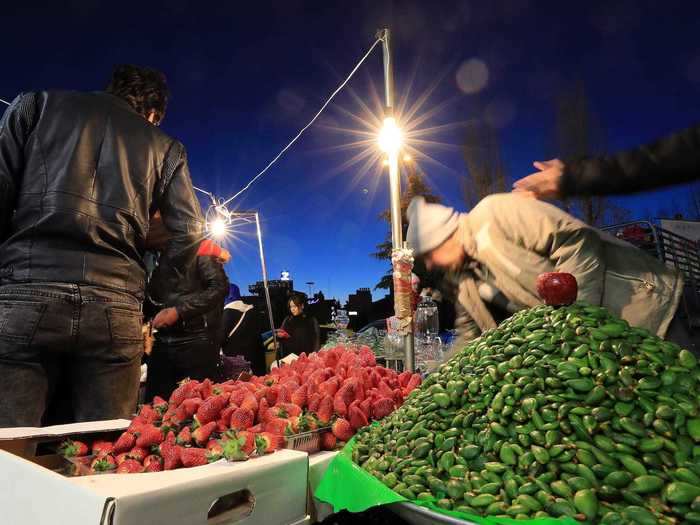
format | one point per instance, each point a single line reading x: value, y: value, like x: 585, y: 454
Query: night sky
x: 246, y: 76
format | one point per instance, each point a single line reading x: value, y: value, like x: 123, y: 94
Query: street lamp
x: 217, y: 228
x: 390, y: 141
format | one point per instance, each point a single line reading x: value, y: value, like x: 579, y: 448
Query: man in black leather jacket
x: 80, y: 175
x: 189, y: 346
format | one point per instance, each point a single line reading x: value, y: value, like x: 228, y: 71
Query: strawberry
x: 404, y: 378
x: 290, y: 408
x: 233, y: 448
x: 342, y: 429
x: 277, y: 426
x: 170, y: 438
x: 299, y: 396
x: 367, y: 357
x: 385, y: 390
x: 295, y: 424
x: 153, y: 458
x: 155, y: 466
x: 170, y: 454
x: 263, y: 410
x: 339, y: 406
x: 184, y: 437
x: 215, y: 448
x: 149, y: 436
x: 329, y: 388
x: 251, y: 403
x: 191, y: 406
x: 121, y: 458
x: 184, y: 391
x: 210, y: 409
x: 413, y: 382
x: 256, y: 429
x: 137, y: 453
x: 160, y: 404
x: 202, y: 434
x: 148, y: 415
x: 398, y: 397
x: 328, y: 441
x: 242, y: 419
x: 130, y: 466
x: 101, y: 447
x: 382, y: 407
x: 271, y: 394
x: 325, y: 410
x: 237, y: 396
x: 366, y: 407
x: 247, y: 442
x: 194, y: 457
x: 205, y: 389
x: 314, y: 401
x: 125, y: 443
x: 103, y: 463
x: 357, y: 417
x: 73, y: 448
x: 267, y: 442
x: 309, y: 422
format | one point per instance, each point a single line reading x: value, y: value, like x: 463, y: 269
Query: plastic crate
x: 309, y: 442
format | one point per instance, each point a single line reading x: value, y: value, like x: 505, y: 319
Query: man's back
x: 90, y: 171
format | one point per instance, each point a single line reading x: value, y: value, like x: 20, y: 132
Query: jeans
x: 87, y: 338
x: 193, y: 355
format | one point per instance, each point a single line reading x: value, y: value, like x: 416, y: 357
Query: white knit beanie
x: 429, y: 225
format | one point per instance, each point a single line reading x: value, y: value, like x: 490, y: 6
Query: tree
x: 414, y: 185
x: 579, y: 133
x: 486, y: 172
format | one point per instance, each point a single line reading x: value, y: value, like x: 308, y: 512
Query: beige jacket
x: 517, y: 238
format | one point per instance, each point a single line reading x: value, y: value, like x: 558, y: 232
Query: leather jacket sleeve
x: 16, y: 125
x: 674, y: 159
x: 179, y: 208
x: 215, y: 286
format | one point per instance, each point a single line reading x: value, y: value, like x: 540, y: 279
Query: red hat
x: 210, y: 248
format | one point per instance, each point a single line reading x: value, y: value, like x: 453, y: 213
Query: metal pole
x: 395, y: 183
x: 267, y: 290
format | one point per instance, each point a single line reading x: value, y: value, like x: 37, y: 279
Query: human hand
x: 544, y: 184
x: 166, y: 317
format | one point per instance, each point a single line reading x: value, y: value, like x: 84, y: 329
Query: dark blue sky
x: 246, y: 76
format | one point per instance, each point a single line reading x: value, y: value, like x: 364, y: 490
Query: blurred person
x: 80, y: 174
x: 299, y: 332
x: 674, y: 159
x: 241, y: 331
x: 187, y: 326
x: 496, y: 252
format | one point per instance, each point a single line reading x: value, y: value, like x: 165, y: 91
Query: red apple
x: 557, y: 289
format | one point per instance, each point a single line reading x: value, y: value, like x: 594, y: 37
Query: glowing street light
x: 390, y: 137
x: 218, y: 228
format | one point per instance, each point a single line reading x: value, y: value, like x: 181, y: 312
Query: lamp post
x: 390, y: 142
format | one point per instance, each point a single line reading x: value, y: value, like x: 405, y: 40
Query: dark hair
x: 145, y: 89
x: 297, y: 300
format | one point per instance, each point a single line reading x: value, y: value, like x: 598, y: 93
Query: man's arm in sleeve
x: 673, y: 159
x: 179, y: 208
x: 212, y: 295
x: 16, y: 125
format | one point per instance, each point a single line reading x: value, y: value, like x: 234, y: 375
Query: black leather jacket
x: 197, y: 293
x: 80, y: 174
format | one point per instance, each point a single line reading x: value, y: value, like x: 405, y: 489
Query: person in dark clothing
x: 241, y: 331
x: 80, y: 174
x: 188, y: 325
x: 674, y: 159
x: 303, y: 330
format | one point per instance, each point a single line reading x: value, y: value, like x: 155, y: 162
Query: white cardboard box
x: 275, y: 486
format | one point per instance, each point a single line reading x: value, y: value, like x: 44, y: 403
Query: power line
x: 341, y: 86
x: 4, y: 101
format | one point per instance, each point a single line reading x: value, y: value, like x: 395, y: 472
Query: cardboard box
x: 267, y: 490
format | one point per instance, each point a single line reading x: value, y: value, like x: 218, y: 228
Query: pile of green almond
x: 563, y: 411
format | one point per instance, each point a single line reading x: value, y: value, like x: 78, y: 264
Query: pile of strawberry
x: 204, y: 421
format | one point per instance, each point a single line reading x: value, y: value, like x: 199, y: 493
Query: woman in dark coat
x: 241, y: 331
x: 303, y: 330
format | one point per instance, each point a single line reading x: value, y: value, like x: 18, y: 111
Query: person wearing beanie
x: 241, y: 331
x: 495, y: 253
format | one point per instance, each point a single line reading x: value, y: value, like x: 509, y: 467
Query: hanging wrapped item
x: 402, y: 263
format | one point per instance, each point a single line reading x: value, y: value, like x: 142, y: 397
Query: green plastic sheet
x: 346, y: 486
